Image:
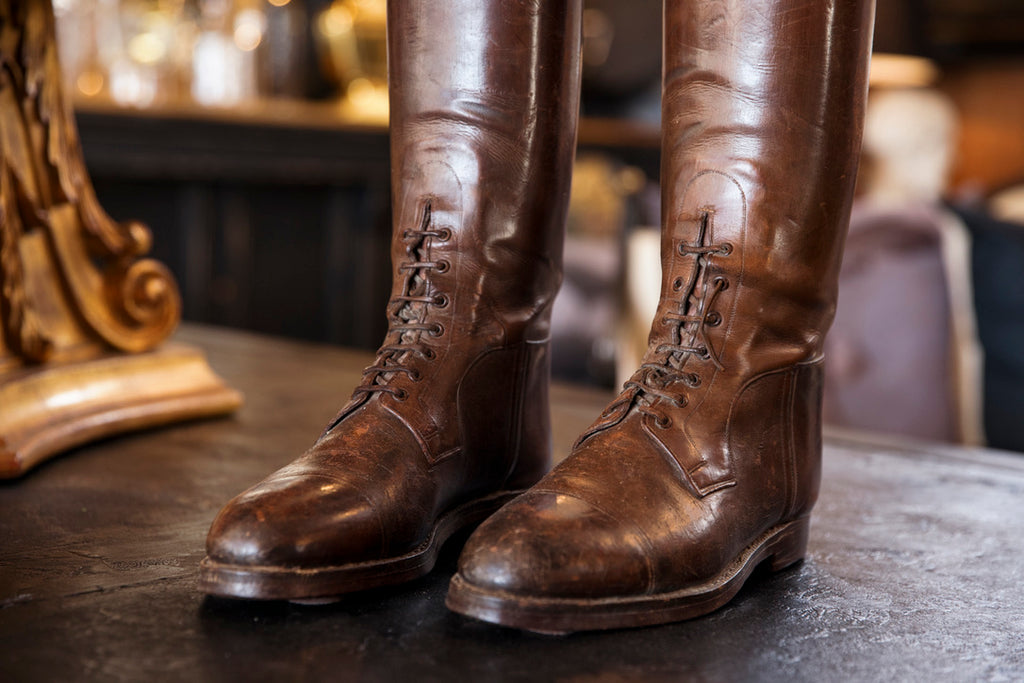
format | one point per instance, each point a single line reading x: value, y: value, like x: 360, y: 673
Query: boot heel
x: 790, y: 546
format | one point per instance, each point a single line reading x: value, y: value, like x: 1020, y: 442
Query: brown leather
x: 708, y: 462
x: 452, y: 418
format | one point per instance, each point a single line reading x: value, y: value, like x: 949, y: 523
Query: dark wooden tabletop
x: 914, y: 573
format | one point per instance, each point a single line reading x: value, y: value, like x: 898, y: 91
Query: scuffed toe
x: 547, y: 544
x: 296, y: 521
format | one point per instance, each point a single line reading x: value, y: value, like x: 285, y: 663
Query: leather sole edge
x: 782, y: 545
x: 323, y: 583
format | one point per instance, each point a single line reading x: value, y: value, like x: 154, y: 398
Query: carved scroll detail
x: 125, y: 302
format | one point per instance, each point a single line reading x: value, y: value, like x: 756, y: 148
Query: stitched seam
x: 741, y: 248
x: 515, y: 437
x: 668, y: 456
x: 792, y: 383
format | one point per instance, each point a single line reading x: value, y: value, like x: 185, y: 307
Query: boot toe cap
x: 548, y: 544
x: 296, y: 522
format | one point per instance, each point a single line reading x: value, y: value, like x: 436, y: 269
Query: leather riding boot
x: 707, y: 464
x: 451, y: 420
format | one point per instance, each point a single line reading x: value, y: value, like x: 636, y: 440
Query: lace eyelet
x: 704, y: 353
x: 682, y: 248
x: 444, y: 234
x: 723, y: 281
x: 443, y: 266
x: 694, y: 380
x: 725, y: 249
x: 441, y: 300
x: 401, y: 395
x: 415, y: 375
x: 429, y: 354
x: 662, y: 421
x: 713, y: 319
x: 436, y: 331
x: 677, y: 284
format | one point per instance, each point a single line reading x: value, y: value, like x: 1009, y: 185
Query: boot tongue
x: 687, y: 333
x: 414, y: 311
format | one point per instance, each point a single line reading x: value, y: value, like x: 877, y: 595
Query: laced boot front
x: 412, y: 329
x: 679, y: 339
x: 451, y: 419
x: 707, y: 463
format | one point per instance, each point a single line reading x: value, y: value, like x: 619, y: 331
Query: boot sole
x: 782, y: 546
x: 328, y: 583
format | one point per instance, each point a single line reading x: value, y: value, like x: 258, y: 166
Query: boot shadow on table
x: 377, y: 610
x: 407, y: 631
x: 385, y: 599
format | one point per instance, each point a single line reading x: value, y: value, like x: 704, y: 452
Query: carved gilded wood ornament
x: 78, y: 303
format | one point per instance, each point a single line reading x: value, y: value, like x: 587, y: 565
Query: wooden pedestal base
x: 50, y: 408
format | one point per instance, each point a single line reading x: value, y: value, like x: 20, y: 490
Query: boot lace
x: 409, y: 327
x: 664, y: 368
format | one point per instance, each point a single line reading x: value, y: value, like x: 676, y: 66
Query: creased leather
x: 484, y: 101
x: 717, y: 438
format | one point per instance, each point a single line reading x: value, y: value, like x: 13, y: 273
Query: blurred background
x: 251, y: 136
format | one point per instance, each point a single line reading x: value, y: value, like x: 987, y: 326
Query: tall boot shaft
x: 707, y: 463
x: 484, y: 101
x: 762, y: 118
x: 483, y: 128
x: 451, y: 420
x: 762, y: 112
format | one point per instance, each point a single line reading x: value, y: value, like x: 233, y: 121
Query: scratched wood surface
x: 915, y: 565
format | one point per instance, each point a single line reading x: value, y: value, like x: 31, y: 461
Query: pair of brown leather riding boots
x: 707, y: 464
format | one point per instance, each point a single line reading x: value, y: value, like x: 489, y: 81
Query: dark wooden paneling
x: 267, y: 226
x: 276, y: 218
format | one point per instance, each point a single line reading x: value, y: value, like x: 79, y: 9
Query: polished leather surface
x: 717, y: 437
x: 484, y: 100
